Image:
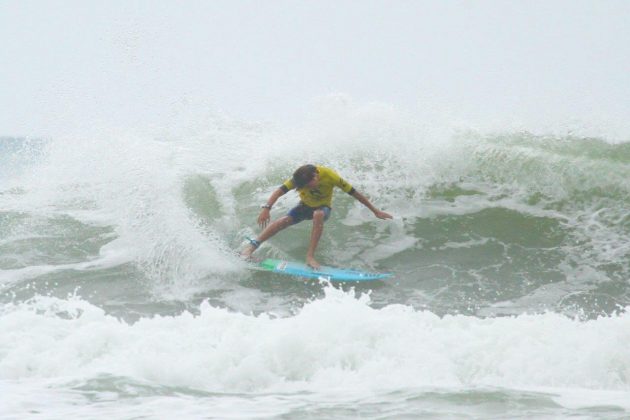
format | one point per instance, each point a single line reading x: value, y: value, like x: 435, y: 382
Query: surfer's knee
x: 322, y: 214
x: 282, y: 223
x: 318, y: 215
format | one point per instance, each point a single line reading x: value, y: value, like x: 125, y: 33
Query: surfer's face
x: 313, y: 182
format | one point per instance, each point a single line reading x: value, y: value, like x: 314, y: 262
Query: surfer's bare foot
x: 246, y: 253
x: 250, y: 248
x: 310, y: 261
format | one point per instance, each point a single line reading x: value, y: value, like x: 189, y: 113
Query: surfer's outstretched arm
x: 363, y: 200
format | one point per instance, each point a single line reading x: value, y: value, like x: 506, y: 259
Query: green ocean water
x: 121, y: 287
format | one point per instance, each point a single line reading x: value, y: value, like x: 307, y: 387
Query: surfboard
x: 296, y: 269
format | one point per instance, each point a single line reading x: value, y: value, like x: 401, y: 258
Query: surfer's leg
x: 273, y: 228
x: 319, y: 216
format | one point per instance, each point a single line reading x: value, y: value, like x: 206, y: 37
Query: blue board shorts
x: 303, y: 212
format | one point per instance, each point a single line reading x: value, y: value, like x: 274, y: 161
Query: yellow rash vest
x: 322, y: 194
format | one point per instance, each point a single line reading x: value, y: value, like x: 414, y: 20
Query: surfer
x: 315, y: 185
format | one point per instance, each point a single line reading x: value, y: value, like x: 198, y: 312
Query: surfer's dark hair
x: 303, y: 175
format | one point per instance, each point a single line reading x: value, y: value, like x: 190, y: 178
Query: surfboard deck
x: 296, y: 269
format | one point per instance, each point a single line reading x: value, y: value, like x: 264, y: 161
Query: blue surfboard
x: 329, y: 273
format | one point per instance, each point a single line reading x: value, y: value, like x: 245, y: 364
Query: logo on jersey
x: 315, y: 192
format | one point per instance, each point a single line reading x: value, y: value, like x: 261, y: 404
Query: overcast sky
x: 128, y: 62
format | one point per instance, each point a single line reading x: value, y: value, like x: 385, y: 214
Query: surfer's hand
x: 382, y: 215
x: 263, y: 218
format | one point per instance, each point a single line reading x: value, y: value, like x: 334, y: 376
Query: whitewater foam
x: 391, y: 348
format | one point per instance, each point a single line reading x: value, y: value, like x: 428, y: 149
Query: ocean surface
x: 122, y: 295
